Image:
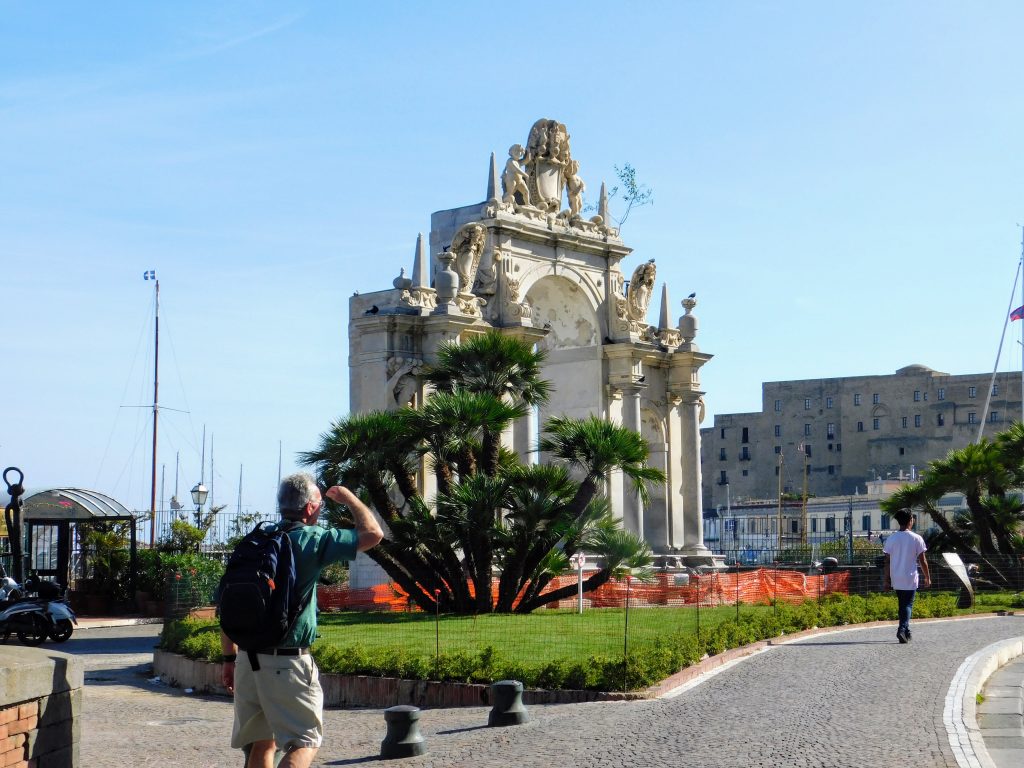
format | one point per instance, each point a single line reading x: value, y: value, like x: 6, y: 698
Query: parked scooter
x: 60, y: 617
x: 34, y: 619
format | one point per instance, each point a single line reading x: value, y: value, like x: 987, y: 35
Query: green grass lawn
x: 560, y: 648
x: 538, y: 637
x: 546, y: 635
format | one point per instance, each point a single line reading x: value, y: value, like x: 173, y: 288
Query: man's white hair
x: 295, y: 493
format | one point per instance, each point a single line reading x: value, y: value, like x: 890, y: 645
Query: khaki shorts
x: 283, y: 701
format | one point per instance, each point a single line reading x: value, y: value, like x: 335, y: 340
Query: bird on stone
x: 692, y: 295
x: 372, y: 310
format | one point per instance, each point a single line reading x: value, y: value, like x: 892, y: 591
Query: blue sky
x: 841, y: 183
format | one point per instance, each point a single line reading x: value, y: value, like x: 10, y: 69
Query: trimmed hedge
x: 646, y: 665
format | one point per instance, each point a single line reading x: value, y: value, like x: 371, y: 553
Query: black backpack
x: 258, y: 596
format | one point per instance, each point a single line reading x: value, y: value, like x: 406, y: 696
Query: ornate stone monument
x: 521, y: 263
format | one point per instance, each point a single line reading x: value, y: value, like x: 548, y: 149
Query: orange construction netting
x: 761, y: 585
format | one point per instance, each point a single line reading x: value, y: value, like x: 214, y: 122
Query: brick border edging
x: 379, y: 692
x: 374, y: 692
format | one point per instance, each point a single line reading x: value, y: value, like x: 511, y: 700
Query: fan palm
x: 493, y: 364
x: 595, y: 447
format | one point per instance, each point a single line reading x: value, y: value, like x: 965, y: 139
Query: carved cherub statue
x: 514, y: 178
x: 575, y: 187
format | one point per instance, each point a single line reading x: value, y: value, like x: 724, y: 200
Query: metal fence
x: 224, y: 527
x: 632, y: 614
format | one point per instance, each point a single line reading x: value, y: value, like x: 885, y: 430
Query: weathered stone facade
x: 520, y: 263
x: 851, y: 429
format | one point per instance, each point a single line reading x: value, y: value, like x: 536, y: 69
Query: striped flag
x: 1018, y: 313
x: 149, y: 274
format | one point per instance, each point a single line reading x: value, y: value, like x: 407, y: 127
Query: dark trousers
x: 906, y: 602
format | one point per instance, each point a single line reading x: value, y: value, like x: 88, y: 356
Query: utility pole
x: 779, y: 546
x: 849, y: 534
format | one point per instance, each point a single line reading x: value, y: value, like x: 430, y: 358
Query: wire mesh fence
x: 626, y: 616
x: 188, y: 589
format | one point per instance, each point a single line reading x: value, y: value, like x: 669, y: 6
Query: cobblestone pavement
x: 852, y: 698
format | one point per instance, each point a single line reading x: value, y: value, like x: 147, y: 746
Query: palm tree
x: 494, y: 364
x: 984, y: 472
x: 595, y: 448
x: 490, y: 510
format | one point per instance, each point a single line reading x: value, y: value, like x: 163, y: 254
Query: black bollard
x: 508, y: 706
x: 403, y: 738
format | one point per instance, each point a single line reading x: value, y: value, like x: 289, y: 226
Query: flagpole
x: 156, y: 412
x: 1011, y: 315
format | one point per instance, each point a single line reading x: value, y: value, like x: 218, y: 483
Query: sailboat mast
x: 156, y: 411
x: 1022, y: 328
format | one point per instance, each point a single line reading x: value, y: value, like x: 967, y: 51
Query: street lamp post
x: 577, y: 561
x: 199, y: 494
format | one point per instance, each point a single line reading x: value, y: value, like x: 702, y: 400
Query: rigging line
x: 192, y: 450
x: 999, y: 352
x: 181, y: 383
x: 143, y: 332
x: 141, y: 433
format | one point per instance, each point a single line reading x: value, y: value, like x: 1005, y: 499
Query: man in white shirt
x: 904, y: 551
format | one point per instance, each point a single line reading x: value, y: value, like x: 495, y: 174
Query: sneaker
x: 908, y: 635
x: 901, y: 636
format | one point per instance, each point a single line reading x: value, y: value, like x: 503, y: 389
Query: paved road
x: 852, y: 698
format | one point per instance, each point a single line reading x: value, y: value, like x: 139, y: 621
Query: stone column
x: 615, y: 482
x: 632, y: 506
x: 674, y: 499
x: 689, y: 461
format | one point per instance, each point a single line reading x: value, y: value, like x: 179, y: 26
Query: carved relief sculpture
x: 640, y: 289
x: 547, y: 155
x: 402, y: 383
x: 468, y: 246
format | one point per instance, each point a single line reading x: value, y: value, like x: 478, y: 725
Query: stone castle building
x: 843, y: 432
x: 524, y: 263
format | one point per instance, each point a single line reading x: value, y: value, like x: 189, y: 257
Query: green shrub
x: 645, y: 665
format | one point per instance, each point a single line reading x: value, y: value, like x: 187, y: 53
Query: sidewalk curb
x: 960, y: 713
x: 103, y: 622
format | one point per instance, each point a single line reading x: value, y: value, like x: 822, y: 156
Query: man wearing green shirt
x: 280, y: 705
